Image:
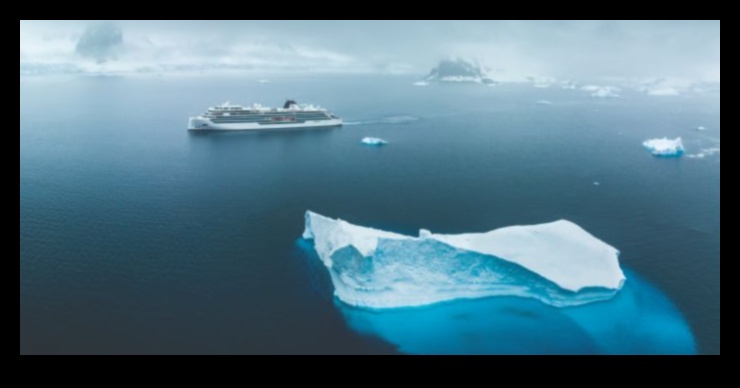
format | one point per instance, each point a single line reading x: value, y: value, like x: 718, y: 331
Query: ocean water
x: 138, y: 237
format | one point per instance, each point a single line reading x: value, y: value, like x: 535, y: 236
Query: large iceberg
x: 665, y: 147
x: 559, y: 264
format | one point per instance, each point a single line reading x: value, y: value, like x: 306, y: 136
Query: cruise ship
x: 228, y: 117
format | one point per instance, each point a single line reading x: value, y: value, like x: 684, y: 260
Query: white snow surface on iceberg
x: 665, y: 147
x: 557, y: 263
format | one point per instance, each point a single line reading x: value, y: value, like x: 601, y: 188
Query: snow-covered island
x: 459, y: 70
x: 559, y: 264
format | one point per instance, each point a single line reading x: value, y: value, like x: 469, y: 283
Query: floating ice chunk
x: 542, y: 82
x: 701, y: 128
x: 662, y: 91
x: 710, y: 151
x: 602, y: 91
x: 606, y: 93
x: 374, y: 141
x: 421, y: 83
x: 568, y: 85
x: 704, y: 153
x: 665, y: 147
x: 263, y: 81
x: 665, y: 86
x: 544, y: 102
x: 559, y: 264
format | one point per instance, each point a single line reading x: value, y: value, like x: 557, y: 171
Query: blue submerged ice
x: 640, y: 320
x: 559, y: 264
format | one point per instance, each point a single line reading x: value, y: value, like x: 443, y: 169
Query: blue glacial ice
x: 665, y: 147
x: 559, y: 264
x: 640, y: 320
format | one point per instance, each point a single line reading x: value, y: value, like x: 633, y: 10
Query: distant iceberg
x: 568, y: 85
x: 701, y: 129
x: 665, y: 86
x: 662, y: 91
x: 602, y: 91
x: 374, y: 141
x: 542, y: 82
x: 544, y: 102
x: 421, y: 83
x: 665, y: 147
x: 559, y: 264
x: 459, y: 70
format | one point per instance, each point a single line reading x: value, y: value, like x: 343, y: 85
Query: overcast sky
x: 572, y: 49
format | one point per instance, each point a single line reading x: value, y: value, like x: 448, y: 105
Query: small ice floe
x: 704, y: 153
x: 544, y: 102
x: 665, y: 147
x: 374, y: 141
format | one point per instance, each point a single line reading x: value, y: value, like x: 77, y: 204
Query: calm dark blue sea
x: 139, y: 237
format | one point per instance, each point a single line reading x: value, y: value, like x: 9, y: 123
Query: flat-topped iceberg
x: 559, y: 264
x: 665, y: 147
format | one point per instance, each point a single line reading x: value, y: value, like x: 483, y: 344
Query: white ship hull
x: 202, y: 124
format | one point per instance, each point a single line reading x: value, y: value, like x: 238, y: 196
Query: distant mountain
x: 459, y: 70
